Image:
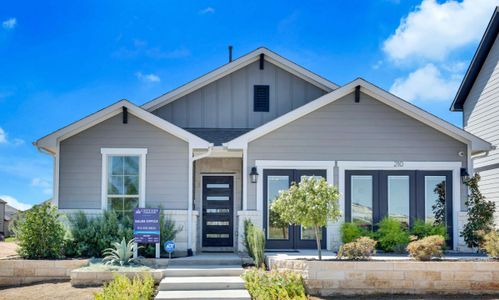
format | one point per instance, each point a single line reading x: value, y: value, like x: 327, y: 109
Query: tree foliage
x: 311, y: 204
x: 439, y: 207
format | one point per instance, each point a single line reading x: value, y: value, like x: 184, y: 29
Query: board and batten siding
x: 481, y: 118
x: 2, y: 216
x: 349, y: 131
x: 228, y: 101
x: 80, y: 162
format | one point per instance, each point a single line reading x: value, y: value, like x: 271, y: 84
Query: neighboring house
x: 217, y: 150
x: 2, y: 217
x: 11, y: 214
x: 478, y: 99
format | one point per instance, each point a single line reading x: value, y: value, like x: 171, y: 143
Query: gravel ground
x: 59, y: 291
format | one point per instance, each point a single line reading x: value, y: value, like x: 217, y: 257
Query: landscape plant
x: 427, y: 248
x: 120, y: 254
x: 421, y: 229
x: 40, y: 233
x: 122, y: 288
x: 274, y: 285
x: 351, y: 231
x: 168, y: 232
x: 360, y: 249
x: 491, y: 244
x: 311, y: 203
x: 480, y: 212
x: 392, y: 236
x: 254, y: 240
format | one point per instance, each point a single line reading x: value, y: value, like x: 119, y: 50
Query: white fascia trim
x: 235, y: 65
x: 55, y: 192
x: 375, y: 92
x: 409, y: 165
x: 141, y: 152
x: 288, y: 164
x: 49, y: 142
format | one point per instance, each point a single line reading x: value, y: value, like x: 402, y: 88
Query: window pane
x: 132, y: 185
x: 217, y: 198
x: 217, y: 210
x: 276, y: 229
x: 398, y: 198
x: 130, y: 203
x: 217, y: 186
x: 435, y: 199
x: 131, y: 165
x: 362, y: 200
x: 115, y: 185
x: 116, y: 165
x: 309, y: 234
x: 115, y: 203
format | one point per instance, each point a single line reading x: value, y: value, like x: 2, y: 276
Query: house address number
x: 398, y: 164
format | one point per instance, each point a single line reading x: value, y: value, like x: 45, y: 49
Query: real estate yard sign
x: 146, y: 225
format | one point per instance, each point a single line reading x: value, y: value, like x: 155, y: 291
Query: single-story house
x: 7, y: 215
x: 217, y: 150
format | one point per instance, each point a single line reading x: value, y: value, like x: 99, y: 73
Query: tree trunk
x: 318, y: 240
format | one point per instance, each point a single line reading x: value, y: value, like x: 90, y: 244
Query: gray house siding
x: 481, y: 118
x: 345, y: 130
x: 80, y: 162
x: 228, y: 102
x: 2, y: 216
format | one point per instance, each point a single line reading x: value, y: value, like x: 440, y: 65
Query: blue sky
x: 62, y: 60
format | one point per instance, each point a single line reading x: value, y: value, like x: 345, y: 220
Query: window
x: 399, y: 198
x: 276, y: 229
x: 261, y: 94
x: 362, y: 200
x: 434, y: 187
x: 123, y: 180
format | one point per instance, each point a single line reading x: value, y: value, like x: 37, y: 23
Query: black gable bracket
x: 357, y: 94
x: 125, y: 115
x: 261, y: 60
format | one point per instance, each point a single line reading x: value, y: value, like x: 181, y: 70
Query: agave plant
x: 121, y: 254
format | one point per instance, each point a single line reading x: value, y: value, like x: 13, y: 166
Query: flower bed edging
x: 326, y: 278
x: 84, y: 278
x: 14, y: 272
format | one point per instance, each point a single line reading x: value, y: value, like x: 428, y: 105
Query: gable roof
x: 49, y: 142
x: 477, y: 144
x: 477, y: 62
x: 235, y: 65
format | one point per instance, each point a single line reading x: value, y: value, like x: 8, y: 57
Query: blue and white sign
x: 146, y: 225
x: 169, y: 246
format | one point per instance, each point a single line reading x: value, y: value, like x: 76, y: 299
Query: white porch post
x: 189, y: 204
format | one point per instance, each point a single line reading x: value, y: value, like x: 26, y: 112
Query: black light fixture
x: 464, y: 174
x: 254, y: 175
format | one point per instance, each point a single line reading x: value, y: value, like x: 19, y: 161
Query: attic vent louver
x: 357, y: 94
x: 125, y: 115
x: 261, y: 98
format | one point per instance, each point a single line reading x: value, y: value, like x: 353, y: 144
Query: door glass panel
x: 217, y: 198
x: 277, y: 230
x: 309, y: 233
x: 398, y: 198
x: 434, y: 187
x: 217, y: 185
x: 217, y: 210
x: 362, y: 200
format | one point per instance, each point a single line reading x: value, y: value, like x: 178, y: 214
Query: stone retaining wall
x: 22, y: 271
x: 327, y: 278
x: 81, y: 278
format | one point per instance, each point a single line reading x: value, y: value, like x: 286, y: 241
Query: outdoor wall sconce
x: 464, y: 174
x: 254, y: 175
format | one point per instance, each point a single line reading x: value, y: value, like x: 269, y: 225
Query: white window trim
x: 141, y: 152
x: 409, y: 165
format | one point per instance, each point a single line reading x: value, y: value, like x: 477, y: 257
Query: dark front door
x: 283, y: 236
x: 218, y: 211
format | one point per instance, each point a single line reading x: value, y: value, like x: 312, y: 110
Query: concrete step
x: 203, y: 270
x: 201, y: 283
x: 204, y: 295
x: 207, y: 260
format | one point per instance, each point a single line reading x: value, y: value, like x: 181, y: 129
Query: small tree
x: 480, y: 214
x: 311, y: 203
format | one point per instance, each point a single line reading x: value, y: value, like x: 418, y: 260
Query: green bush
x: 168, y: 232
x: 89, y: 237
x: 391, y: 235
x: 360, y: 249
x: 254, y: 240
x: 40, y: 233
x: 491, y: 244
x: 120, y: 254
x: 351, y: 231
x: 420, y: 229
x: 427, y: 248
x: 122, y: 288
x: 274, y: 285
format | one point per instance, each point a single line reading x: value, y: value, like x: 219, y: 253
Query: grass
x: 10, y: 239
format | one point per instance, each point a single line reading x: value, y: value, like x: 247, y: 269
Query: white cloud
x: 426, y: 84
x: 44, y: 184
x: 15, y: 203
x: 207, y: 10
x: 3, y: 136
x: 9, y: 23
x: 433, y: 29
x: 148, y: 77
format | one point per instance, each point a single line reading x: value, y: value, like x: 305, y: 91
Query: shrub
x: 121, y: 254
x: 420, y: 229
x: 125, y: 289
x: 351, y: 231
x: 427, y: 248
x: 91, y: 236
x: 40, y: 233
x: 360, y: 249
x: 168, y: 232
x: 274, y: 285
x: 391, y: 235
x: 491, y: 244
x: 255, y: 243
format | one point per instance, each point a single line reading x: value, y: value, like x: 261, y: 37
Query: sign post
x: 146, y: 227
x: 169, y: 247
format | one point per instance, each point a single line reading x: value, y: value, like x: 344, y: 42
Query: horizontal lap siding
x: 345, y: 130
x: 81, y: 163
